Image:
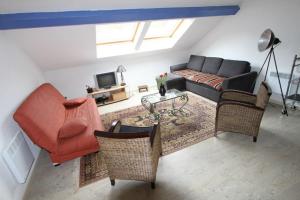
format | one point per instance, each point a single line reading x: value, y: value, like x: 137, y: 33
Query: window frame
x: 121, y: 41
x: 139, y: 41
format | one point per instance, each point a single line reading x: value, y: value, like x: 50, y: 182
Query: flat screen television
x: 106, y: 80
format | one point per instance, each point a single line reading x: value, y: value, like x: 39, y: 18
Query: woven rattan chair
x: 242, y: 112
x: 131, y: 153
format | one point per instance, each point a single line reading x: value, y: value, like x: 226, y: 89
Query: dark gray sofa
x: 236, y: 74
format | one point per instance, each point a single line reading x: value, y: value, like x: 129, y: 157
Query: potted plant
x: 161, y: 81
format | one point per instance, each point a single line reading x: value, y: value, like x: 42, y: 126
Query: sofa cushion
x: 186, y: 73
x: 212, y: 65
x: 231, y: 68
x: 211, y: 80
x: 74, y: 102
x: 196, y: 63
x: 72, y: 128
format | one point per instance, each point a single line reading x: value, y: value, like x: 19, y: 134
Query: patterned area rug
x: 177, y: 132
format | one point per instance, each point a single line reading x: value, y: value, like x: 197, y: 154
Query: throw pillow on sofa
x: 230, y: 68
x: 72, y: 128
x: 196, y: 63
x: 74, y: 102
x: 212, y: 65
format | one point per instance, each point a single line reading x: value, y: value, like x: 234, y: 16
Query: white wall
x: 141, y: 69
x: 18, y: 77
x: 236, y: 36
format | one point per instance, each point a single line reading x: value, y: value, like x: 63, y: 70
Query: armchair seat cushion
x: 72, y: 128
x: 86, y: 139
x: 77, y: 144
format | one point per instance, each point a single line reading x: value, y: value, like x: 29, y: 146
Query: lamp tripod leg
x: 284, y: 111
x: 261, y: 68
x: 269, y: 60
x: 264, y: 63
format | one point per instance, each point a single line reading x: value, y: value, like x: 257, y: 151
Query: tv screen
x: 106, y: 80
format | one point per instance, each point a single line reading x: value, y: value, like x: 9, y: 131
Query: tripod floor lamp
x: 269, y: 41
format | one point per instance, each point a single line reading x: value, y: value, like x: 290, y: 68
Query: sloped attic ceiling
x: 70, y: 46
x: 59, y: 47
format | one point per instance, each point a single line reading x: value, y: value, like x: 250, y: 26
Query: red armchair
x: 42, y: 116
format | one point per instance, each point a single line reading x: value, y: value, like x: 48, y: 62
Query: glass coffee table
x: 150, y: 101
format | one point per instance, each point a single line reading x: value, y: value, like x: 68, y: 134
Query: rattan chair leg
x: 56, y: 164
x: 153, y: 185
x: 254, y: 138
x: 215, y: 134
x: 112, y: 182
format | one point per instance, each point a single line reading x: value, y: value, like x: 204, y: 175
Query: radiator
x: 18, y: 157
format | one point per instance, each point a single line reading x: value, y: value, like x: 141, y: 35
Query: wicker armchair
x: 242, y: 112
x: 131, y: 153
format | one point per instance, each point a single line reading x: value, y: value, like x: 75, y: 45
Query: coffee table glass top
x: 149, y: 102
x: 170, y: 94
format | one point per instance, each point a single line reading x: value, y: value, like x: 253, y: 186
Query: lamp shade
x: 121, y: 68
x: 266, y: 40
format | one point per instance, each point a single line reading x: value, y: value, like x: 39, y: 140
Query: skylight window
x: 135, y: 37
x: 163, y: 28
x: 116, y: 33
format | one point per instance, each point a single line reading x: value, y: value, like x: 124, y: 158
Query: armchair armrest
x: 244, y: 82
x: 178, y: 67
x: 239, y: 96
x: 239, y: 104
x: 115, y: 126
x: 114, y: 132
x: 155, y: 134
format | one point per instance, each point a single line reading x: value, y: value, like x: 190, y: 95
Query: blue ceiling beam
x: 66, y: 18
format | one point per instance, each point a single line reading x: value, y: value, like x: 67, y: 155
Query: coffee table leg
x: 174, y: 110
x: 151, y: 108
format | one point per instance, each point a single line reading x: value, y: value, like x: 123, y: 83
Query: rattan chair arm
x: 126, y: 135
x: 239, y: 104
x: 236, y: 95
x: 115, y: 126
x: 155, y: 132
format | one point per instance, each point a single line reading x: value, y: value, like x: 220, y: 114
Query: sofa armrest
x: 178, y: 67
x: 243, y: 82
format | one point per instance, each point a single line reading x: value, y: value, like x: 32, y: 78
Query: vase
x: 162, y: 90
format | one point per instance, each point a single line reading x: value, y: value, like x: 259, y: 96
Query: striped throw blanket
x: 204, y: 78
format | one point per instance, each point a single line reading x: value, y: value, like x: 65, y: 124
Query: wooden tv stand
x: 115, y: 94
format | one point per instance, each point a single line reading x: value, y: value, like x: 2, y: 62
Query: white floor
x: 229, y: 166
